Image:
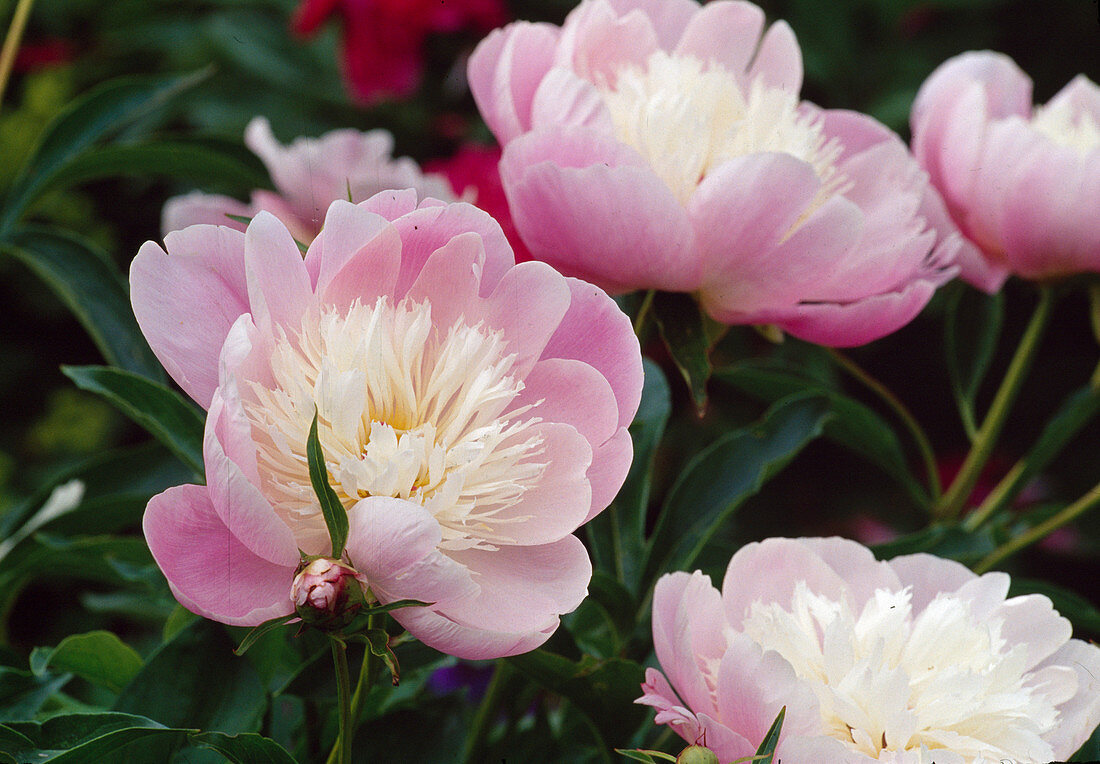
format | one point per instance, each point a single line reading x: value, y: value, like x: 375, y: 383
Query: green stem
x: 489, y: 704
x: 366, y: 677
x: 951, y: 503
x: 1090, y: 500
x: 643, y: 313
x: 928, y: 456
x: 11, y: 43
x: 342, y: 749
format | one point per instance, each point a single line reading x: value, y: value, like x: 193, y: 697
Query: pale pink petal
x: 563, y: 98
x: 571, y: 392
x: 1082, y: 95
x: 1080, y: 715
x: 929, y: 575
x: 974, y: 267
x: 185, y: 300
x: 1007, y: 89
x: 596, y: 331
x: 302, y: 229
x: 688, y: 634
x: 787, y: 561
x: 431, y: 226
x: 392, y: 542
x: 370, y: 273
x: 723, y: 32
x: 505, y: 70
x: 197, y: 208
x: 523, y: 589
x: 391, y: 204
x: 208, y: 568
x: 1032, y: 620
x: 450, y: 279
x: 668, y: 17
x: 527, y: 305
x: 560, y: 501
x: 778, y: 63
x: 591, y: 208
x: 597, y: 43
x: 610, y: 465
x: 279, y: 287
x: 349, y: 229
x: 468, y: 642
x: 857, y: 565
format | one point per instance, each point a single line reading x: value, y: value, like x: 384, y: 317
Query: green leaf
x: 98, y: 656
x: 949, y: 541
x: 617, y: 535
x: 199, y: 163
x: 22, y: 693
x: 84, y: 279
x: 247, y: 748
x: 683, y: 329
x: 104, y: 110
x: 722, y: 476
x: 195, y: 681
x: 336, y: 517
x: 378, y: 642
x: 973, y: 326
x: 766, y: 752
x: 163, y: 412
x: 95, y: 737
x: 256, y: 632
x: 603, y: 690
x: 604, y: 621
x: 854, y: 425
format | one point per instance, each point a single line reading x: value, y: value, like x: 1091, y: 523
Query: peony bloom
x: 308, y: 175
x: 1021, y: 182
x: 659, y: 144
x: 383, y: 40
x: 473, y: 172
x: 912, y: 660
x: 472, y: 414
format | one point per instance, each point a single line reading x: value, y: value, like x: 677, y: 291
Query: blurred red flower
x: 383, y: 40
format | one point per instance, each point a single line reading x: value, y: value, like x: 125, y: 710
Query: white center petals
x: 406, y: 410
x: 687, y: 118
x: 888, y: 681
x: 1062, y: 124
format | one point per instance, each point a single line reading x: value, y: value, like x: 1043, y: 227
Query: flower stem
x: 485, y: 711
x: 342, y: 749
x: 11, y: 43
x: 951, y: 503
x: 1090, y: 500
x: 366, y: 677
x: 928, y: 456
x: 643, y: 313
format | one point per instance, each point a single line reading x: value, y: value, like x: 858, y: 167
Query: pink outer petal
x: 209, y: 570
x: 929, y: 575
x: 596, y: 42
x: 391, y: 204
x: 504, y: 72
x: 197, y: 208
x: 723, y: 32
x: 571, y: 392
x: 1007, y: 89
x: 658, y: 693
x: 610, y: 465
x: 523, y: 589
x: 527, y: 305
x: 856, y: 564
x: 688, y: 634
x: 788, y: 561
x: 596, y: 331
x: 348, y: 228
x: 1032, y: 620
x: 433, y: 224
x: 779, y: 61
x: 563, y: 98
x: 468, y: 642
x: 591, y: 207
x: 974, y: 267
x: 559, y: 502
x: 279, y: 287
x: 185, y: 300
x: 370, y: 273
x: 1082, y: 95
x: 668, y: 17
x: 1079, y: 715
x: 450, y: 280
x: 393, y: 543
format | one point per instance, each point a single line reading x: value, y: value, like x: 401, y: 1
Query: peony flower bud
x: 327, y: 593
x: 697, y: 754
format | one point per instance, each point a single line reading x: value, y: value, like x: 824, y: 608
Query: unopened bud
x: 327, y: 593
x: 697, y: 754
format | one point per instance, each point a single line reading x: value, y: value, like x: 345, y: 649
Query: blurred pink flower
x: 472, y: 414
x: 383, y: 40
x: 660, y: 144
x: 1021, y: 182
x: 474, y: 174
x: 308, y: 175
x: 875, y: 661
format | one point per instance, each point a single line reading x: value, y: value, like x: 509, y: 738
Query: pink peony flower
x: 472, y: 414
x: 308, y: 175
x: 659, y: 144
x: 473, y: 172
x: 1020, y: 182
x: 912, y: 660
x: 383, y: 40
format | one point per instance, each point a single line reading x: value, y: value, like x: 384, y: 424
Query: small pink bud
x: 697, y: 754
x: 327, y: 593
